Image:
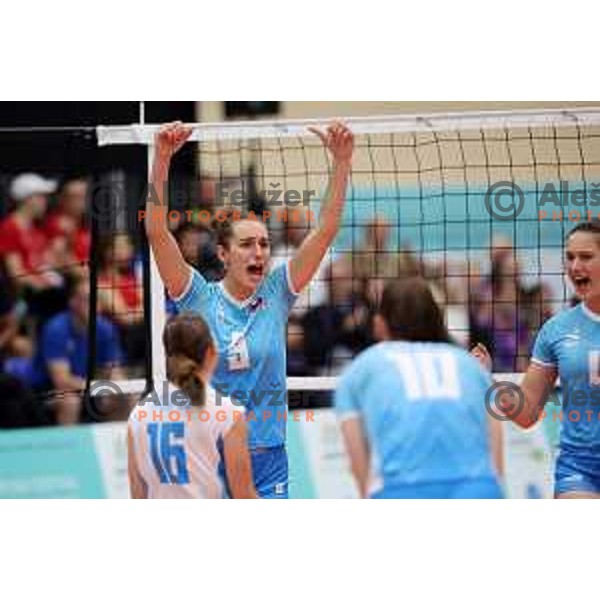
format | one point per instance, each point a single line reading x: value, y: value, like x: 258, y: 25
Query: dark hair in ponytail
x: 187, y: 339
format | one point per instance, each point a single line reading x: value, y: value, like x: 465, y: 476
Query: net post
x: 158, y: 316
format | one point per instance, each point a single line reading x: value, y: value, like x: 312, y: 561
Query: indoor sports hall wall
x: 90, y: 461
x: 212, y: 112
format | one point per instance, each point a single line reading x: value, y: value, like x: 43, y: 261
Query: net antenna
x: 446, y: 148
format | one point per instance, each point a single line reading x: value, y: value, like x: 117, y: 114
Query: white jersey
x: 178, y: 447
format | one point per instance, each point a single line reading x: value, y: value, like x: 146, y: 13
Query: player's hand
x: 171, y: 138
x: 339, y: 140
x: 480, y: 352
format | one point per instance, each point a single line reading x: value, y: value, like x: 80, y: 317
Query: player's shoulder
x: 371, y: 358
x: 162, y: 396
x: 197, y: 285
x: 198, y: 281
x: 278, y: 277
x: 565, y: 319
x: 373, y: 354
x: 460, y: 354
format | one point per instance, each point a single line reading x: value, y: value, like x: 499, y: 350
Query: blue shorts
x: 576, y: 475
x: 487, y: 488
x: 270, y: 470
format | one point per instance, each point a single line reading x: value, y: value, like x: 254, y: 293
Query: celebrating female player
x: 568, y: 345
x: 176, y: 438
x: 247, y: 311
x: 412, y: 408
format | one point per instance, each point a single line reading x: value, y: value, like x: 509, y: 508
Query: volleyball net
x: 477, y: 203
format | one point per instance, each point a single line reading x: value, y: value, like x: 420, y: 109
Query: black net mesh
x: 481, y: 213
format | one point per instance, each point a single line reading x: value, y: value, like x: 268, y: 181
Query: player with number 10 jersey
x: 412, y: 408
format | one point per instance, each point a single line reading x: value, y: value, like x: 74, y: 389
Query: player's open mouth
x: 256, y: 270
x: 582, y: 284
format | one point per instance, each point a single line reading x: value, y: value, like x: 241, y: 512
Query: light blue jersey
x: 423, y: 409
x: 570, y: 342
x: 251, y: 340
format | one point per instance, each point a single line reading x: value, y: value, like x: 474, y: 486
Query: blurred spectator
x: 25, y: 249
x: 198, y: 247
x: 65, y: 226
x: 537, y: 306
x: 297, y: 365
x: 9, y: 324
x: 18, y: 406
x: 498, y: 313
x: 293, y: 233
x: 61, y: 362
x: 12, y: 311
x: 120, y: 293
x: 374, y: 260
x: 341, y: 328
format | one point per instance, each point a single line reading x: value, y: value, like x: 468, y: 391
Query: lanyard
x: 249, y: 323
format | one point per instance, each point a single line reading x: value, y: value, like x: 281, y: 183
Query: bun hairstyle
x: 187, y: 339
x: 411, y: 312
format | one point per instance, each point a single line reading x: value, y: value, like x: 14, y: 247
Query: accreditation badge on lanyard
x: 238, y: 357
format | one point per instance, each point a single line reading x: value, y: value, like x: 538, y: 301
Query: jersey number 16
x: 168, y: 453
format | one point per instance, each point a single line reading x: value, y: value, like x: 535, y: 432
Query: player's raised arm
x: 237, y: 462
x: 174, y: 270
x: 339, y: 141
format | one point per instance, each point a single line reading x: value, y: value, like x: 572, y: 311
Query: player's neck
x: 235, y: 291
x: 593, y: 305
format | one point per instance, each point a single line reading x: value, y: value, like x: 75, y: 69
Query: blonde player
x: 179, y: 436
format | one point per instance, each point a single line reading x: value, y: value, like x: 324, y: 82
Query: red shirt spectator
x: 126, y: 286
x: 24, y: 247
x: 66, y: 223
x: 120, y: 293
x: 25, y: 240
x: 78, y: 238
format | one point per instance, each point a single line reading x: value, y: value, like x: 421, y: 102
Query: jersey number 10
x: 429, y: 375
x: 168, y: 453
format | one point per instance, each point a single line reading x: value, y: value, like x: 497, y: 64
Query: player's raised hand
x: 481, y: 353
x: 338, y: 139
x: 170, y: 139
